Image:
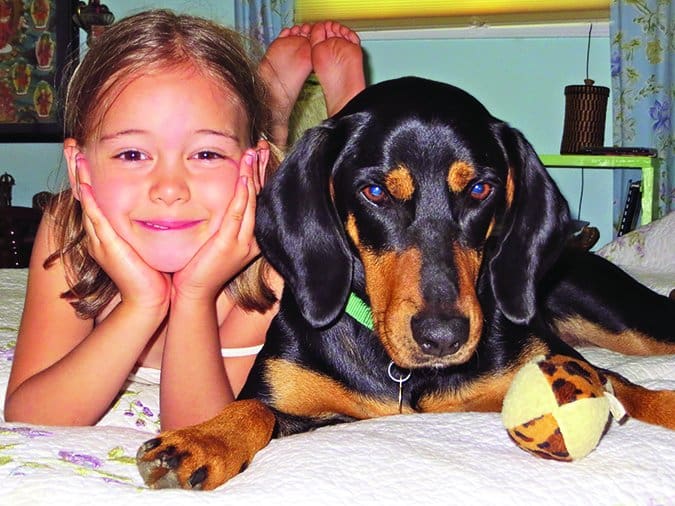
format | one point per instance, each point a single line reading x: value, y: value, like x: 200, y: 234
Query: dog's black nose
x: 440, y: 336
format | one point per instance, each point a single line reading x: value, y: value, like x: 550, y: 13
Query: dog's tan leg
x: 651, y: 406
x: 205, y: 456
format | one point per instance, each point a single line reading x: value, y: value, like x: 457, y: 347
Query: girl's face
x: 166, y: 162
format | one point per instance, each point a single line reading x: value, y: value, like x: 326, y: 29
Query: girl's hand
x: 233, y: 246
x: 137, y: 282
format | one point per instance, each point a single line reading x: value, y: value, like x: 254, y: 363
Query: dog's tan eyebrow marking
x: 510, y: 188
x: 459, y: 175
x: 400, y: 183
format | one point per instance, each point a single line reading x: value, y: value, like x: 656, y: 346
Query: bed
x: 463, y: 458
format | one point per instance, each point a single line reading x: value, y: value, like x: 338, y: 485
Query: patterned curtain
x: 262, y: 20
x: 643, y: 80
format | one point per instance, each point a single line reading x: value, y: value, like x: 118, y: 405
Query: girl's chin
x: 169, y: 268
x: 168, y: 263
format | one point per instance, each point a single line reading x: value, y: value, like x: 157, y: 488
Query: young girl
x: 149, y: 259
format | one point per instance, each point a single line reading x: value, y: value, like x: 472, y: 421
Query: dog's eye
x: 480, y: 190
x: 375, y: 193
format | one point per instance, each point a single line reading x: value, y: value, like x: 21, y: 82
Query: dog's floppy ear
x: 298, y: 229
x: 535, y: 228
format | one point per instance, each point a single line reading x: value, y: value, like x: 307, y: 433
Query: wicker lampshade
x: 585, y: 112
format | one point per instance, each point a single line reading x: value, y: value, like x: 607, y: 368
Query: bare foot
x: 337, y: 60
x: 285, y: 67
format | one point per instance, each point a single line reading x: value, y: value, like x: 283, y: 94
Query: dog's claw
x: 197, y: 478
x: 169, y: 458
x: 150, y: 444
x: 172, y: 461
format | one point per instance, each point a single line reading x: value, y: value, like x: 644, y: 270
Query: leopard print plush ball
x: 558, y: 408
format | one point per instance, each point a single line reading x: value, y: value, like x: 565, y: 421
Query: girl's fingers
x: 248, y: 219
x: 82, y: 171
x: 240, y: 216
x: 237, y: 207
x: 89, y: 227
x: 79, y: 162
x: 89, y: 209
x: 259, y: 171
x: 245, y: 232
x: 243, y: 193
x: 258, y: 175
x: 248, y: 167
x: 263, y: 153
x: 96, y: 224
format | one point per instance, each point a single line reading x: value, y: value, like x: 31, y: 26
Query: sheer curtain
x: 262, y: 20
x: 643, y: 77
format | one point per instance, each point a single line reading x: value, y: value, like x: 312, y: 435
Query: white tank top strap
x: 240, y: 352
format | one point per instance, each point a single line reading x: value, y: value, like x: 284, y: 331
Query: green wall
x: 520, y: 79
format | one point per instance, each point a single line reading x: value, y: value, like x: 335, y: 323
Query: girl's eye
x: 375, y: 194
x: 480, y: 190
x: 132, y: 156
x: 208, y: 155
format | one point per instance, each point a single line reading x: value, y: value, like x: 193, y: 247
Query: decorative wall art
x: 37, y: 37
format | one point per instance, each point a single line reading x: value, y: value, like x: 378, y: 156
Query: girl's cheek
x: 220, y: 188
x: 112, y: 196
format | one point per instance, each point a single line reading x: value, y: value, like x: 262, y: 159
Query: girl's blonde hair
x: 151, y: 41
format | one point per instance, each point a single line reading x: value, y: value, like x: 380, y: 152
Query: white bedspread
x: 462, y: 459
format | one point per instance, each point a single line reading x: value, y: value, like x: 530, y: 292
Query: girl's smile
x: 169, y: 225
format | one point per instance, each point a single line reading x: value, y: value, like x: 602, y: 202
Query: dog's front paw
x: 204, y: 456
x: 186, y: 459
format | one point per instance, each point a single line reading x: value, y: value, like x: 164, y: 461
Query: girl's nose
x: 170, y: 185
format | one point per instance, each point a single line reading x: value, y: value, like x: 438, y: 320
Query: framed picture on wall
x: 37, y: 38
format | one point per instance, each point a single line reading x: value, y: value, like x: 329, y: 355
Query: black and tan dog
x: 443, y: 220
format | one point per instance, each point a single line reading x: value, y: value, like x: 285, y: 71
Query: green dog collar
x: 359, y: 310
